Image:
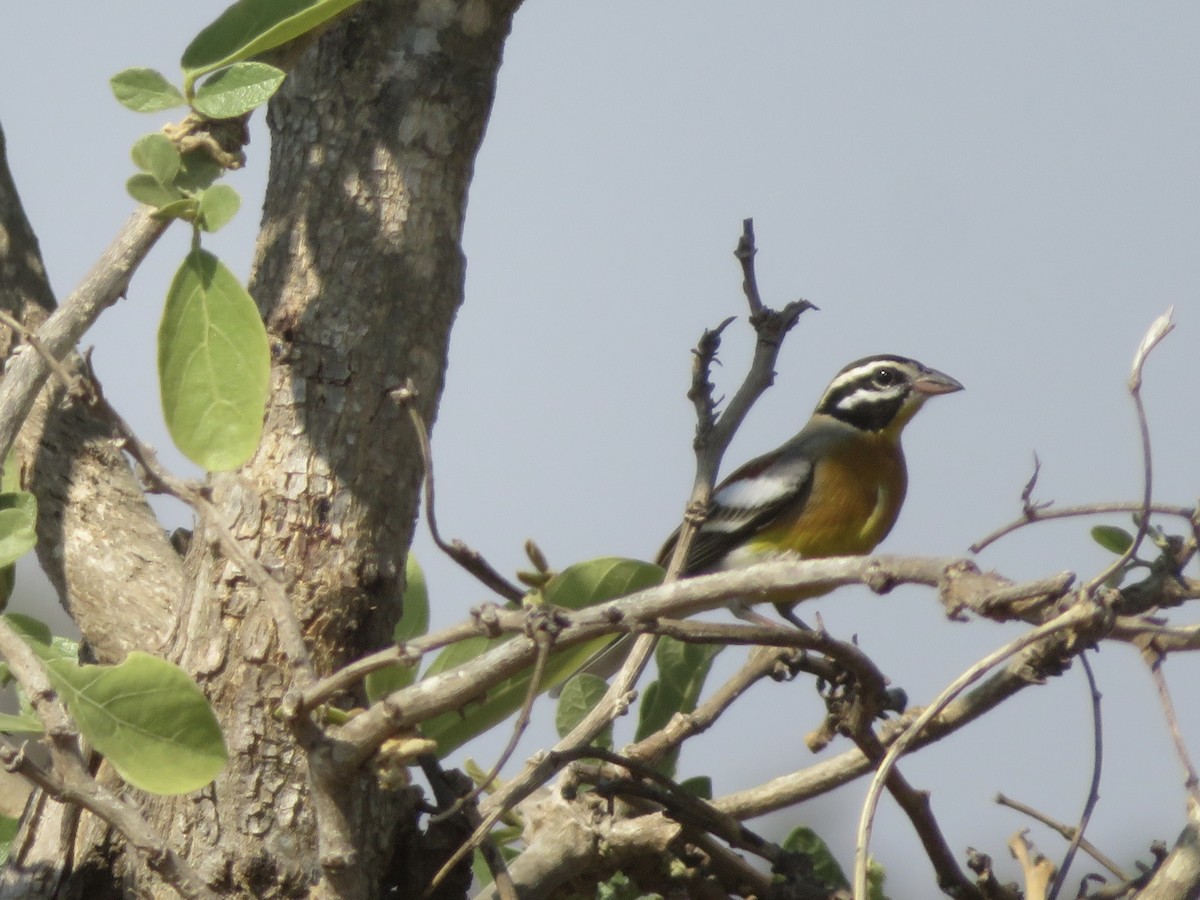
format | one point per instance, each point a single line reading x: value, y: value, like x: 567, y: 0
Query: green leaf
x: 8, y: 831
x: 8, y: 581
x: 682, y: 669
x: 579, y: 697
x: 414, y: 622
x: 807, y: 842
x: 876, y: 876
x: 1113, y: 539
x: 185, y: 209
x: 576, y: 587
x: 23, y: 724
x: 213, y: 364
x: 147, y: 718
x: 34, y: 632
x: 599, y: 580
x: 198, y: 170
x: 251, y: 27
x: 158, y: 156
x: 235, y: 91
x: 699, y: 786
x: 145, y: 90
x: 218, y: 205
x: 145, y: 188
x: 18, y: 516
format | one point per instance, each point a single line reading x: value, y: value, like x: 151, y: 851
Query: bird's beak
x: 934, y: 382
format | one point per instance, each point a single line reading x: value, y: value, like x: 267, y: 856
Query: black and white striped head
x: 880, y: 393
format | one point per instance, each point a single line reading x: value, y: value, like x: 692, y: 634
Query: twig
x: 1022, y: 671
x: 100, y: 288
x: 1159, y: 329
x: 72, y: 782
x: 1067, y: 832
x: 761, y: 664
x: 1079, y: 615
x: 712, y: 438
x: 69, y: 382
x: 486, y: 620
x: 1164, y: 695
x: 518, y: 729
x: 537, y: 771
x: 950, y: 877
x: 454, y: 799
x: 1070, y: 512
x: 1037, y: 870
x: 470, y: 560
x: 714, y: 432
x: 287, y: 626
x: 745, y: 253
x: 780, y: 581
x: 1094, y: 789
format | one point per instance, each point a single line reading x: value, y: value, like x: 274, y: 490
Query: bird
x: 834, y: 489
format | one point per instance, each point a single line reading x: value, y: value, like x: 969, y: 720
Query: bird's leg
x: 788, y: 613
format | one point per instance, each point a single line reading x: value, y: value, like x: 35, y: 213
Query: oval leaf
x: 155, y: 154
x: 145, y: 90
x: 235, y: 91
x: 145, y: 188
x: 250, y: 27
x: 579, y: 697
x: 213, y: 364
x: 18, y: 515
x: 599, y: 580
x: 576, y: 587
x: 218, y: 205
x: 825, y: 866
x: 147, y: 718
x: 1113, y: 539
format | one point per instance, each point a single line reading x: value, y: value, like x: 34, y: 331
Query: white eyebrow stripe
x: 870, y: 395
x: 856, y: 374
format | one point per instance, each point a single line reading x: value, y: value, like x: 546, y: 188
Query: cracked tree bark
x: 359, y: 273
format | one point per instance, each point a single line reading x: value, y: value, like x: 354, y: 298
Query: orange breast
x: 856, y: 495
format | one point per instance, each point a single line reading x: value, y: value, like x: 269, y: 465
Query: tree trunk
x: 359, y: 274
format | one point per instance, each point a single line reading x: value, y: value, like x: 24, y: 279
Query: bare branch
x: 470, y: 560
x: 108, y: 279
x: 1178, y: 876
x: 1094, y: 789
x: 1043, y: 514
x: 1080, y: 615
x: 1069, y: 833
x: 1159, y: 329
x: 1192, y: 783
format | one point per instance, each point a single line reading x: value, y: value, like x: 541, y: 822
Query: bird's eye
x: 886, y: 377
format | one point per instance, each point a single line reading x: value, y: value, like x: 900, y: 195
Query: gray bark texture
x: 359, y: 274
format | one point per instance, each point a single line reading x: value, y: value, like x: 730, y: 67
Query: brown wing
x: 750, y: 499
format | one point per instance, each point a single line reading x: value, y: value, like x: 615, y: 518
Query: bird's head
x: 882, y: 393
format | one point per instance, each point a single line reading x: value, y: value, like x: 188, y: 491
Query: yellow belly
x: 855, y: 498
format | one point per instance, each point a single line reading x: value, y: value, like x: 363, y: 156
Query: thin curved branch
x: 1080, y: 615
x: 1093, y: 796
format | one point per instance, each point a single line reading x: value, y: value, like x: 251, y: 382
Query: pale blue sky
x: 1007, y: 192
